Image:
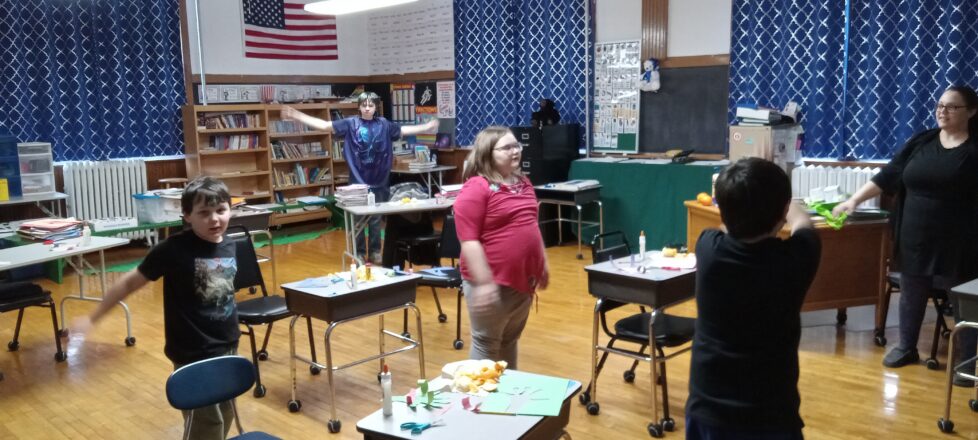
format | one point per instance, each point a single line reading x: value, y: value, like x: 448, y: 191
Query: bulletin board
x: 617, y: 72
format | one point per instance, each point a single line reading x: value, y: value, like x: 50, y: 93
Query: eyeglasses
x: 514, y: 148
x: 948, y: 108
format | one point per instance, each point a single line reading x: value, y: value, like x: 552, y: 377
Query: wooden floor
x: 108, y: 390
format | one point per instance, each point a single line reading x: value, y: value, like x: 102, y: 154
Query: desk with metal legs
x: 74, y: 254
x: 656, y: 288
x: 355, y: 218
x: 427, y: 172
x: 575, y: 198
x: 53, y: 201
x: 967, y: 315
x: 338, y: 304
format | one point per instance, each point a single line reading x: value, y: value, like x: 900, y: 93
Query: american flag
x: 283, y: 30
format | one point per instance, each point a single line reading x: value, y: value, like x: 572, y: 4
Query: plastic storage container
x: 151, y: 208
x: 32, y: 184
x: 36, y: 168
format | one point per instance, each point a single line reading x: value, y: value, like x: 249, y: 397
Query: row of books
x: 301, y: 175
x: 338, y: 149
x: 234, y: 142
x: 289, y: 150
x: 291, y: 126
x: 230, y: 120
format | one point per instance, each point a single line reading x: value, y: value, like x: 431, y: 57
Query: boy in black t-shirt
x: 199, y: 312
x: 750, y: 286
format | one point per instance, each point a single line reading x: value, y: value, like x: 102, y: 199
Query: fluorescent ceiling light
x: 339, y: 7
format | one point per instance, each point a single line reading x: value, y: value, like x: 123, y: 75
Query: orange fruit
x: 704, y: 199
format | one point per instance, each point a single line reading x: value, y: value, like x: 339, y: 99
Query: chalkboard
x: 689, y: 111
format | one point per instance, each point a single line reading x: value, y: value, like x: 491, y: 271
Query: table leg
x: 655, y: 426
x: 580, y: 255
x: 381, y: 343
x: 591, y: 394
x: 420, y: 347
x: 292, y: 362
x: 334, y: 423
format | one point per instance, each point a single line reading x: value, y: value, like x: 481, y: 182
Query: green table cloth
x: 645, y: 197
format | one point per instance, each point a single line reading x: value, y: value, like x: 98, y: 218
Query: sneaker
x: 963, y: 382
x: 899, y: 357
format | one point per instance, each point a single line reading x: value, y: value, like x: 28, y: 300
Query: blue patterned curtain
x: 791, y: 50
x: 511, y: 53
x: 96, y: 78
x: 901, y: 55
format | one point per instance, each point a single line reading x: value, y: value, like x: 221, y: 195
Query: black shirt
x: 199, y: 312
x: 938, y: 227
x: 744, y: 367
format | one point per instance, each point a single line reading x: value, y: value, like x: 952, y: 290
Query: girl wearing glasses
x: 935, y: 176
x: 503, y: 261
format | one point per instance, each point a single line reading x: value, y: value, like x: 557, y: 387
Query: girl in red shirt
x: 503, y: 261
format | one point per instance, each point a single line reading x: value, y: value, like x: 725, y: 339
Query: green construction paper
x: 526, y: 394
x: 825, y: 210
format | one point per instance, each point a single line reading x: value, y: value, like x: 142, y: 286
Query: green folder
x: 526, y: 394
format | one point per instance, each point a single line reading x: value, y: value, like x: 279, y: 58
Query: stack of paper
x: 749, y: 116
x: 421, y: 165
x: 451, y: 191
x: 352, y: 195
x: 50, y: 229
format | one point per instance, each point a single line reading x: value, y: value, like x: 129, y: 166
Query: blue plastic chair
x: 209, y: 382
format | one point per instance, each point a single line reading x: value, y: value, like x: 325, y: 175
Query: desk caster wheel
x: 252, y: 290
x: 668, y: 424
x: 259, y: 391
x: 60, y: 356
x: 442, y: 318
x: 314, y: 370
x: 63, y: 333
x: 458, y: 344
x: 946, y: 426
x: 932, y: 364
x: 295, y: 406
x: 130, y: 341
x: 13, y: 345
x: 593, y: 408
x: 334, y: 426
x: 655, y: 430
x: 584, y: 397
x: 580, y: 256
x: 973, y: 404
x: 629, y: 376
x: 880, y: 341
x: 263, y: 355
x: 406, y: 335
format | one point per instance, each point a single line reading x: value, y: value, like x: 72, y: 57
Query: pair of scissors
x: 417, y: 428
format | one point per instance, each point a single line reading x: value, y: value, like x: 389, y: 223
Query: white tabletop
x: 31, y: 198
x: 396, y: 207
x: 628, y: 267
x: 424, y: 170
x: 339, y: 288
x: 18, y: 256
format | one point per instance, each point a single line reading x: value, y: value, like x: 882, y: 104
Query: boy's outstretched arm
x: 798, y: 217
x: 129, y: 283
x: 289, y: 113
x: 428, y: 127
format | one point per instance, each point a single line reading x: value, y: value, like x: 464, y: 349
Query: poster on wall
x: 402, y: 103
x: 446, y: 99
x: 414, y: 38
x: 617, y: 72
x: 425, y: 108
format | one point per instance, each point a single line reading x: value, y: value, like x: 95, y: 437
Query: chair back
x: 249, y: 271
x: 449, y: 247
x: 209, y: 381
x: 609, y: 245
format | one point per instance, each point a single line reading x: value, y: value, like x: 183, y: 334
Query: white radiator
x: 849, y: 179
x: 104, y: 189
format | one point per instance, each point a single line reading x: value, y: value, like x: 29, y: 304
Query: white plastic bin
x: 151, y: 208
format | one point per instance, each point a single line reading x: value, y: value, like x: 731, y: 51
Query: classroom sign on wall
x: 617, y: 72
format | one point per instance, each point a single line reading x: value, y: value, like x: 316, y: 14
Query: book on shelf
x: 289, y: 150
x: 222, y: 120
x: 234, y: 142
x: 289, y: 126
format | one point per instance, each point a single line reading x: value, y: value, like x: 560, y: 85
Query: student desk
x: 547, y: 194
x: 851, y: 272
x: 656, y: 288
x: 462, y: 424
x: 355, y: 218
x: 967, y: 316
x: 53, y: 208
x: 337, y: 304
x: 73, y: 253
x: 427, y: 172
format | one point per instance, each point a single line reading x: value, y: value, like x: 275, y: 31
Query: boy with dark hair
x: 199, y: 313
x: 750, y: 286
x: 368, y: 150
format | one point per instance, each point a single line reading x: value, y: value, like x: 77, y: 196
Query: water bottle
x: 371, y: 199
x: 86, y: 236
x: 641, y: 246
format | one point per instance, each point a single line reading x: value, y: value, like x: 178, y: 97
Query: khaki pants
x: 496, y: 331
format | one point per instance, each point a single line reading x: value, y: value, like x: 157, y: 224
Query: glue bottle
x: 86, y: 235
x: 385, y: 385
x: 641, y: 245
x: 371, y: 198
x: 353, y: 276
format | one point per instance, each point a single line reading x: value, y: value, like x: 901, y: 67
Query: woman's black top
x: 937, y: 215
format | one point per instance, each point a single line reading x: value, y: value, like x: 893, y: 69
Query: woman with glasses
x: 935, y: 176
x: 503, y: 261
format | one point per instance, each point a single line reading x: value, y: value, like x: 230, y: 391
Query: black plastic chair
x: 211, y: 381
x: 942, y: 305
x: 264, y: 310
x: 670, y: 330
x: 20, y: 295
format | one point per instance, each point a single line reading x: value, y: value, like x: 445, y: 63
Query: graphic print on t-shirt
x: 214, y: 285
x: 368, y: 142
